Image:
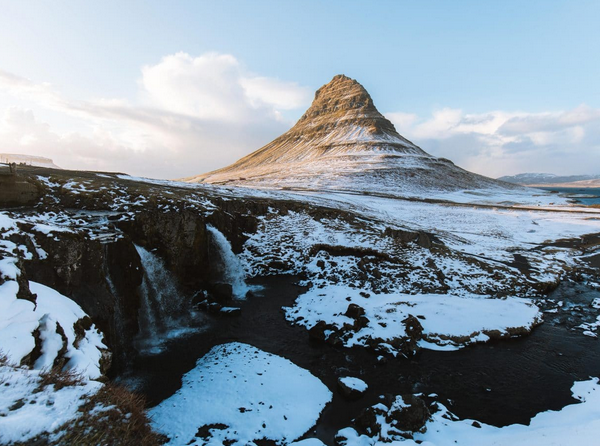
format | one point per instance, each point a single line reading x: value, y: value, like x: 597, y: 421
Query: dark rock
x: 205, y: 431
x: 221, y: 292
x: 230, y: 311
x: 414, y: 332
x: 408, y: 413
x: 348, y: 392
x: 361, y: 322
x: 198, y: 297
x: 366, y: 421
x: 278, y: 265
x: 354, y: 311
x: 322, y: 332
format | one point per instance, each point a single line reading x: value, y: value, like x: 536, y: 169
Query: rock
x: 351, y: 388
x: 354, y: 311
x: 367, y: 419
x: 408, y: 413
x: 414, y: 332
x: 198, y: 297
x: 230, y: 311
x: 361, y: 322
x: 222, y: 292
x: 324, y: 332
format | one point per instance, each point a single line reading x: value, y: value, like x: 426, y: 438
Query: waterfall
x: 161, y: 314
x: 231, y: 268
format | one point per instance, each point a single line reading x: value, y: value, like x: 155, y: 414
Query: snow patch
x: 448, y: 321
x: 240, y: 393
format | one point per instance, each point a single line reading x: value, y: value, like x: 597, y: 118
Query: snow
x: 19, y: 318
x: 448, y: 321
x: 308, y: 442
x: 575, y: 424
x: 43, y: 408
x: 354, y: 383
x: 254, y: 394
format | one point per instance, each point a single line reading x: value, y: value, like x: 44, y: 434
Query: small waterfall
x: 161, y: 315
x: 231, y: 268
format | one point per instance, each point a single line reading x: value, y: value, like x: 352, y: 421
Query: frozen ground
x: 237, y: 394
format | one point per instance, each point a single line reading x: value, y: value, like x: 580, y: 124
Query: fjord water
x: 586, y: 196
x: 500, y: 383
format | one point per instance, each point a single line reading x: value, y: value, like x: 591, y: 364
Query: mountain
x: 30, y: 160
x: 342, y: 142
x: 549, y: 179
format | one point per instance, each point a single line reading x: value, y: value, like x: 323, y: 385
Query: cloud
x: 193, y: 114
x: 503, y: 143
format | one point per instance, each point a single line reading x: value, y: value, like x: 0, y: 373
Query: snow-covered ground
x: 29, y: 408
x: 59, y: 333
x: 448, y: 322
x: 237, y: 394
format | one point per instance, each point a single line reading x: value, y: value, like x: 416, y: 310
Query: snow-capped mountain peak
x: 343, y: 143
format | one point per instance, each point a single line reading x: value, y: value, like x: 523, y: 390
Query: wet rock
x: 230, y: 311
x: 221, y: 292
x: 198, y: 297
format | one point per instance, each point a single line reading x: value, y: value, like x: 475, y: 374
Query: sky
x: 174, y: 89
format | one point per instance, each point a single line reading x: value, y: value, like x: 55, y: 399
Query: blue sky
x: 499, y: 87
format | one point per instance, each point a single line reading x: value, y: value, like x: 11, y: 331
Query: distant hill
x: 549, y: 179
x: 30, y: 160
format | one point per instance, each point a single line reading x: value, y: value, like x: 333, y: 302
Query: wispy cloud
x: 193, y: 114
x: 500, y: 143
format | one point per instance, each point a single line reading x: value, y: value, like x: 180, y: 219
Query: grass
x: 59, y: 379
x: 113, y: 416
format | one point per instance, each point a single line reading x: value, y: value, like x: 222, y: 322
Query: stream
x: 499, y: 383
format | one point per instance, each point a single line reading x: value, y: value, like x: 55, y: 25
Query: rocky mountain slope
x: 342, y: 142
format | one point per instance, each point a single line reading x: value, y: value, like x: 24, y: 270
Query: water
x: 164, y: 313
x: 231, y: 267
x: 500, y: 383
x: 576, y: 193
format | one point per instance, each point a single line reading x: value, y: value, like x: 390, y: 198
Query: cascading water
x: 231, y: 269
x: 162, y: 313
